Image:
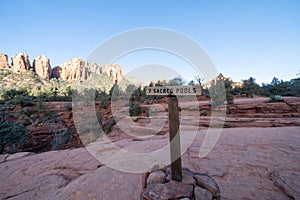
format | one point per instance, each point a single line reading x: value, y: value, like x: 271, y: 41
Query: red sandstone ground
x: 247, y: 163
x: 257, y: 159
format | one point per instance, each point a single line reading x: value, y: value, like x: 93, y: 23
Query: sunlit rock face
x: 20, y: 62
x: 4, y: 61
x: 42, y: 67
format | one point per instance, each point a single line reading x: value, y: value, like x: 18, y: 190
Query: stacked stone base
x: 158, y: 185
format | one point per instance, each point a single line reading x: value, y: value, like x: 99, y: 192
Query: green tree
x: 250, y: 87
x: 103, y: 98
x: 217, y: 92
x: 228, y: 88
x: 222, y: 86
x: 278, y: 87
x: 134, y: 99
x: 176, y: 81
x: 293, y: 88
x: 116, y: 92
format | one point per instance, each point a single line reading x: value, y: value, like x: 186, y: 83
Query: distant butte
x: 71, y: 70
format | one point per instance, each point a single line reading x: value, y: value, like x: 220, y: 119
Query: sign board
x: 174, y: 90
x: 175, y: 149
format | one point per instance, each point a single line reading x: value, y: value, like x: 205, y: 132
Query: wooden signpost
x: 175, y: 149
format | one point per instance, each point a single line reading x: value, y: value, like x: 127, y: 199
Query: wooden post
x: 175, y: 150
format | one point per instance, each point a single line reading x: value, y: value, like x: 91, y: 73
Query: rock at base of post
x: 158, y: 185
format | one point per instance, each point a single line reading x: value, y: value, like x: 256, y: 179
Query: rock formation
x: 71, y: 70
x: 42, y: 67
x: 20, y: 62
x: 113, y: 71
x: 76, y: 68
x: 3, y: 61
x: 56, y: 72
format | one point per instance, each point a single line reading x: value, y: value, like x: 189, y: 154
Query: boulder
x: 202, y: 194
x: 188, y: 179
x: 170, y: 190
x: 208, y: 183
x: 156, y: 177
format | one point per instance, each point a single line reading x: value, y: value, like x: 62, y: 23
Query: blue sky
x: 244, y: 38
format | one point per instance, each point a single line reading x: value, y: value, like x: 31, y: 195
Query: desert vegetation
x: 25, y: 98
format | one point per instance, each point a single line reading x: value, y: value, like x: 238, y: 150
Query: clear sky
x: 246, y: 38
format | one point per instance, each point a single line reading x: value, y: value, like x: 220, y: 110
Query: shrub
x: 217, y: 93
x: 147, y: 102
x: 116, y: 93
x: 229, y: 98
x: 250, y: 87
x: 275, y: 98
x: 12, y: 134
x: 68, y: 106
x: 12, y: 93
x: 203, y: 112
x: 107, y: 127
x: 151, y: 111
x: 103, y: 98
x: 27, y: 111
x: 134, y: 109
x: 135, y: 119
x: 99, y: 115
